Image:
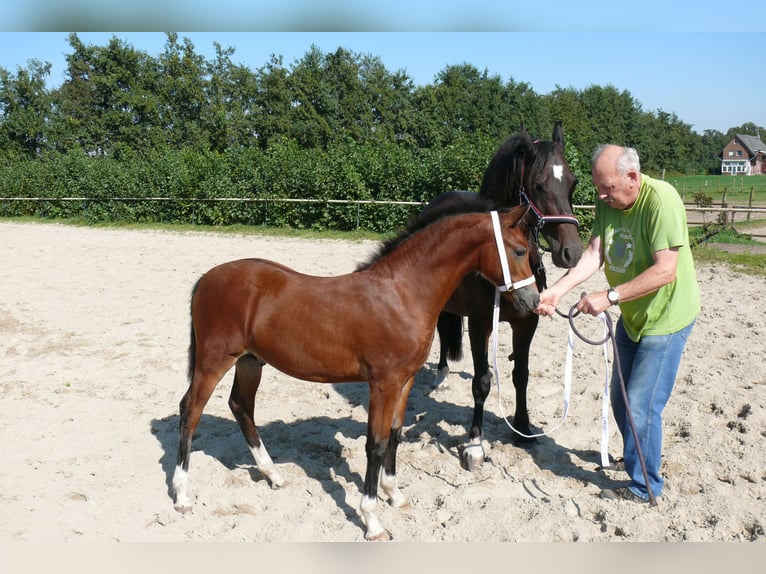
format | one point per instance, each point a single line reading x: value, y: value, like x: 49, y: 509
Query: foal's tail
x: 451, y: 334
x: 193, y: 340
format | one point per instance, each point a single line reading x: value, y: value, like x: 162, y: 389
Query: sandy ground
x: 93, y: 339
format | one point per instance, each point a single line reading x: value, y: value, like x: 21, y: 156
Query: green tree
x: 183, y: 94
x: 229, y: 116
x: 712, y: 145
x: 25, y: 109
x: 611, y: 115
x: 108, y: 100
x: 565, y: 105
x: 746, y: 129
x: 464, y: 101
x: 342, y: 95
x: 273, y: 102
x: 526, y: 107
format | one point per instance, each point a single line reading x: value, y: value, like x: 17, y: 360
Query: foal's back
x: 323, y: 329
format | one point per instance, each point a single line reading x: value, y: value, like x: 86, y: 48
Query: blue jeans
x: 649, y: 369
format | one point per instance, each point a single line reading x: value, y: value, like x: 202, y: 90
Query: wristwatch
x: 613, y: 296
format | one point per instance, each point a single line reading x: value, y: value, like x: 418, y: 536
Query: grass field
x: 738, y: 189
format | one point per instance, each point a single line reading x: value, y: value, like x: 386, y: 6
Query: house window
x: 739, y: 153
x: 731, y: 153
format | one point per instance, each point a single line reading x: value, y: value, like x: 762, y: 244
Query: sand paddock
x: 94, y: 329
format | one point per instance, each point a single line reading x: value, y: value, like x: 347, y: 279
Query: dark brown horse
x: 527, y: 172
x: 375, y: 325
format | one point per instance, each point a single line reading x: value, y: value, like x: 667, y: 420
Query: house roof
x: 753, y: 144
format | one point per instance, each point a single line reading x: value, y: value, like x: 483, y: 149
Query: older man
x: 640, y: 237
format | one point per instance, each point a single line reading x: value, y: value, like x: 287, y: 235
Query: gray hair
x: 627, y: 160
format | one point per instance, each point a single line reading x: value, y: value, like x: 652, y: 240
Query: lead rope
x: 567, y: 383
x: 608, y: 334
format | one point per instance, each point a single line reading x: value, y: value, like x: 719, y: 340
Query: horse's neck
x: 439, y: 257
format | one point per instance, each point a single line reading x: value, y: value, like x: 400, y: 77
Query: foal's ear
x: 558, y: 135
x: 518, y: 214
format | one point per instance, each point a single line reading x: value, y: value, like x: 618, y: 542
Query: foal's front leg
x: 479, y: 330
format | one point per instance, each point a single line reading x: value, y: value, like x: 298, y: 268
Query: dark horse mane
x: 419, y: 221
x: 502, y: 179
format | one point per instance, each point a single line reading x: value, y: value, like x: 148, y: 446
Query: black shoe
x: 623, y: 493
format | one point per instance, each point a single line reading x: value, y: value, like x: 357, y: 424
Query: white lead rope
x: 567, y: 383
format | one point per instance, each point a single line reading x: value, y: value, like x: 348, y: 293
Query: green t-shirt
x: 656, y: 221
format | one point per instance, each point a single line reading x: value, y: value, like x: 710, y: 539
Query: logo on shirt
x: 619, y: 249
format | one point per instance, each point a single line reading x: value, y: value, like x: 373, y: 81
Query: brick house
x: 744, y: 155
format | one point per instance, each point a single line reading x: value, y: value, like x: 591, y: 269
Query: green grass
x: 747, y: 263
x: 706, y: 252
x: 737, y: 188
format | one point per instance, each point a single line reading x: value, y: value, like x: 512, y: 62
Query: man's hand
x: 593, y: 303
x: 548, y: 302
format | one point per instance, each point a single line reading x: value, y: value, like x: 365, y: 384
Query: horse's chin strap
x: 508, y: 284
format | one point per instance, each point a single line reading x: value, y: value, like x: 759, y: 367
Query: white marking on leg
x: 558, y: 171
x: 367, y: 511
x: 180, y: 482
x: 440, y: 378
x: 266, y: 466
x: 395, y: 496
x: 473, y: 453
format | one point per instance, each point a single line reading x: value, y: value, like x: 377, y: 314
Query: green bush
x: 186, y: 186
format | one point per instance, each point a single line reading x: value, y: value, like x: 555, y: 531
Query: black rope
x: 573, y: 312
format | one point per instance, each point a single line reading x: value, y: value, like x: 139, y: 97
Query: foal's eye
x: 520, y: 252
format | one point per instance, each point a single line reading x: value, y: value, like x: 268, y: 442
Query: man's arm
x: 660, y: 273
x: 589, y: 263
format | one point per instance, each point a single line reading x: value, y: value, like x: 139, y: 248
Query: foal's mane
x: 419, y: 221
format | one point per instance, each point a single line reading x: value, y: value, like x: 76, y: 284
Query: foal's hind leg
x: 387, y: 401
x: 388, y: 476
x: 247, y: 378
x: 193, y: 402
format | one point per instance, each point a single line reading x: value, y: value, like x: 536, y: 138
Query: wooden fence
x: 696, y: 215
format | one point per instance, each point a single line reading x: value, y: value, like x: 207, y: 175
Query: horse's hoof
x: 472, y: 457
x: 382, y: 536
x: 183, y: 508
x: 440, y: 377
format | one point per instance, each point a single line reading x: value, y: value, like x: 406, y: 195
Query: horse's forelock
x: 545, y: 152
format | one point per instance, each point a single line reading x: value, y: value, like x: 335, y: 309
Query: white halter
x: 508, y: 284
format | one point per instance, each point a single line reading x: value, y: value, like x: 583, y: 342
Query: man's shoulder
x: 661, y: 190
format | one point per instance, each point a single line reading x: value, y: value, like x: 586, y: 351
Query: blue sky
x: 381, y: 15
x: 690, y: 74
